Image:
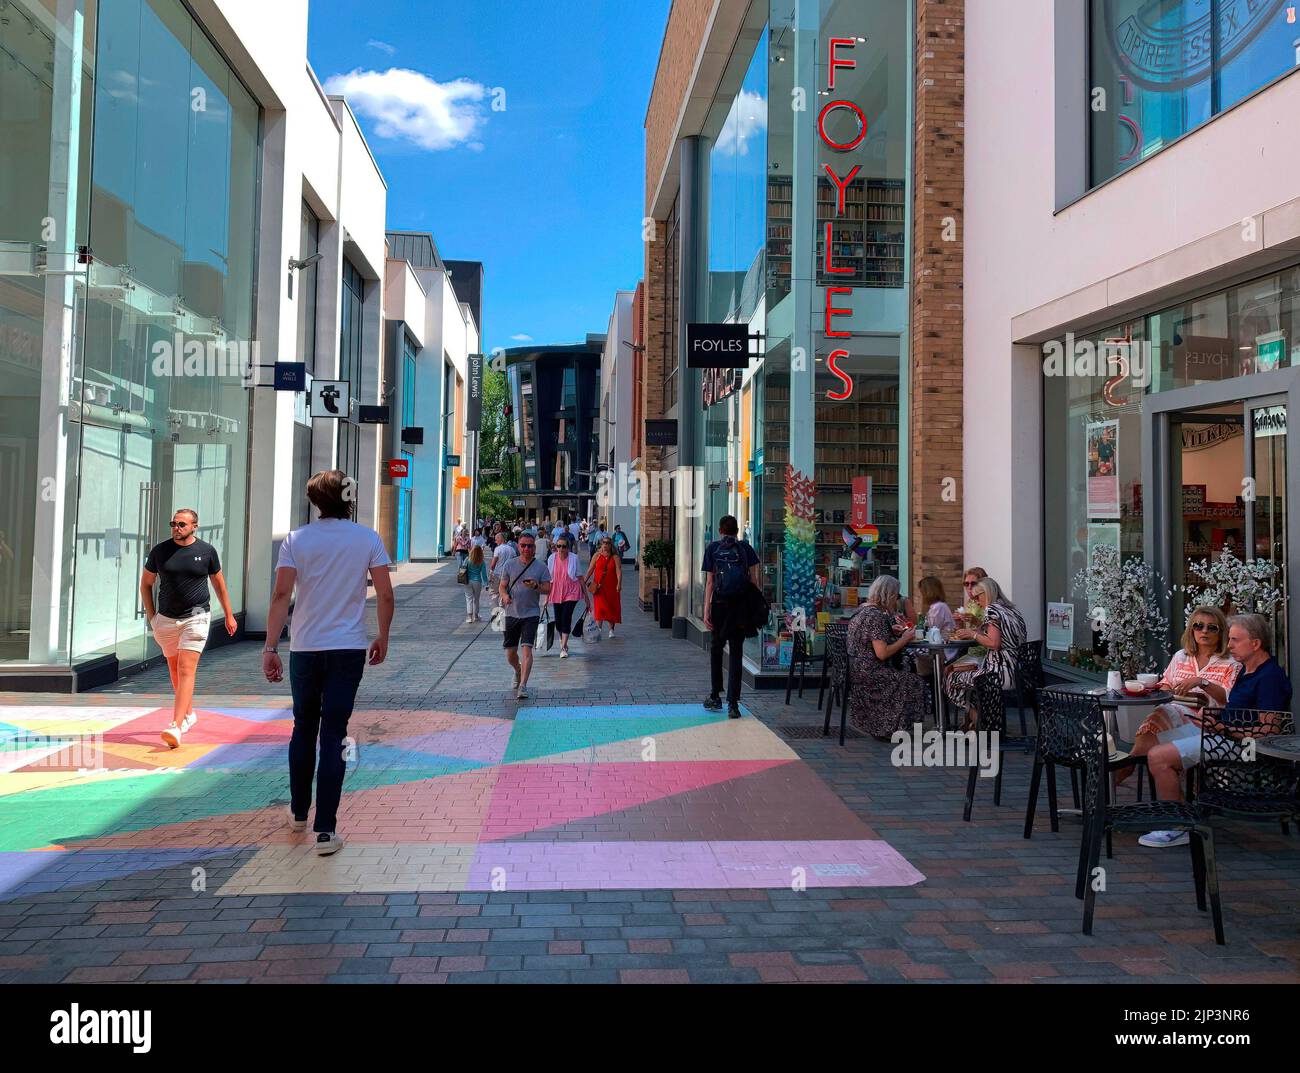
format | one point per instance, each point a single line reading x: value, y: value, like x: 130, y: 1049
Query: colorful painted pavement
x: 605, y: 797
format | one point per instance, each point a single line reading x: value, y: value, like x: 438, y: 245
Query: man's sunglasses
x: 179, y: 525
x: 1208, y: 627
x: 528, y: 544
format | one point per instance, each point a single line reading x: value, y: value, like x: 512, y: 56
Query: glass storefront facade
x: 1166, y: 436
x: 128, y: 188
x: 1164, y: 67
x: 817, y: 417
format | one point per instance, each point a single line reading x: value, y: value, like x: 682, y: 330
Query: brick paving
x: 990, y: 907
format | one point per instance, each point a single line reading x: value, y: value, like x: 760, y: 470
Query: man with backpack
x: 731, y: 575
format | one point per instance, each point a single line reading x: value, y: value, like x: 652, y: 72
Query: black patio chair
x: 1028, y: 681
x: 1101, y: 818
x: 802, y: 659
x: 989, y: 699
x: 1060, y: 744
x: 1233, y: 780
x: 837, y: 675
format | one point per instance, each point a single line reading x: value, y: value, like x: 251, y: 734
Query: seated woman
x: 1002, y: 634
x: 935, y: 612
x: 1261, y: 685
x: 972, y: 576
x: 883, y: 699
x: 1201, y: 668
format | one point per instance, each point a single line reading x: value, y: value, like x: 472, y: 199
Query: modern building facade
x: 619, y: 420
x: 182, y: 207
x: 430, y: 333
x: 800, y: 159
x: 1133, y: 298
x: 555, y: 394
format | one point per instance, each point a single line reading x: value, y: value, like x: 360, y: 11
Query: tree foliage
x: 495, y: 436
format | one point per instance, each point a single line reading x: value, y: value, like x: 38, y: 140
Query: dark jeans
x: 564, y: 616
x: 324, y: 687
x: 736, y: 646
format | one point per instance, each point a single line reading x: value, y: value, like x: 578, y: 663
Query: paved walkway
x: 607, y: 828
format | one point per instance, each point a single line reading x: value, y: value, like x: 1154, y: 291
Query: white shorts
x: 176, y: 634
x: 1187, y: 740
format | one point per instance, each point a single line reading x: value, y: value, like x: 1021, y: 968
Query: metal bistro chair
x: 990, y: 702
x: 1102, y: 818
x: 1059, y: 744
x: 837, y: 675
x: 802, y: 659
x: 1230, y: 781
x: 1029, y: 680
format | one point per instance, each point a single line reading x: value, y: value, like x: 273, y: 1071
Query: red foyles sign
x: 841, y: 184
x: 398, y: 468
x: 861, y: 517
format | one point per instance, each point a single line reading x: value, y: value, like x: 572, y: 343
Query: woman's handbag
x: 462, y: 576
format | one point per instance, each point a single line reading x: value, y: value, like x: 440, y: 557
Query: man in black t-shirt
x: 183, y: 566
x: 730, y: 567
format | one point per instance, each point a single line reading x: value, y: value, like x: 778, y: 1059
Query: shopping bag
x: 548, y: 634
x: 577, y: 625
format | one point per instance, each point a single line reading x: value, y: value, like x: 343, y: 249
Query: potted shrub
x: 658, y: 555
x: 1233, y: 585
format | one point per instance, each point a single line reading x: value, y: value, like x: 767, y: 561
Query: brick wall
x: 936, y: 335
x: 687, y: 23
x: 654, y: 520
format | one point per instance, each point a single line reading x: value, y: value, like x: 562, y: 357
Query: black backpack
x: 730, y: 575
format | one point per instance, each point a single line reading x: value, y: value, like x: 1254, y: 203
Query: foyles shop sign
x: 717, y: 346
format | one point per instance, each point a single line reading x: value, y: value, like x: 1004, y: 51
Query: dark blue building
x: 555, y: 417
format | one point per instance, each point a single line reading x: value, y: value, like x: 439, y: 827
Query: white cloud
x: 521, y: 338
x: 747, y: 118
x: 383, y: 46
x: 411, y: 107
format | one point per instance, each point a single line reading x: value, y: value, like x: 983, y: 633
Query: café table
x: 1279, y: 746
x: 1111, y: 702
x: 940, y: 660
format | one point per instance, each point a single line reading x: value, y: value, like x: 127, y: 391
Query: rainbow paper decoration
x: 800, y: 546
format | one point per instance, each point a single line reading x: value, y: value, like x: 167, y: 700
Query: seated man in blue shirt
x: 1261, y: 686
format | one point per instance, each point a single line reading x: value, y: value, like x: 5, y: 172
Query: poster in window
x: 1103, y: 469
x: 1060, y: 627
x: 1105, y: 533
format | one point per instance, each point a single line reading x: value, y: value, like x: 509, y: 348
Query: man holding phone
x: 523, y: 581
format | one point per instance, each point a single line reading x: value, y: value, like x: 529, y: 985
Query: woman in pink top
x: 1201, y: 669
x: 566, y: 589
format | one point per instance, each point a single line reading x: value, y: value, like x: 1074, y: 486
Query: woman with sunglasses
x: 566, y: 590
x: 972, y: 576
x: 605, y: 583
x: 1202, y: 668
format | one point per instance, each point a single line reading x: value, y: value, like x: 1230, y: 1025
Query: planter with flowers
x: 1233, y: 586
x: 1123, y: 603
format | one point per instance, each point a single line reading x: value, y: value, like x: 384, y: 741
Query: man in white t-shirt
x: 327, y: 561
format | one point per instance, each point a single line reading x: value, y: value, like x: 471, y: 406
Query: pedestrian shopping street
x: 608, y: 828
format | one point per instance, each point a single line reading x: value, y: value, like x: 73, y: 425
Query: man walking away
x: 523, y: 580
x: 328, y: 561
x: 183, y: 565
x: 730, y: 567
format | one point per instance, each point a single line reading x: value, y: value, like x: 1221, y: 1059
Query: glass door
x: 1225, y: 491
x: 1266, y: 500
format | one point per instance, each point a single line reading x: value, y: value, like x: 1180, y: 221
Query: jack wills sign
x: 717, y: 346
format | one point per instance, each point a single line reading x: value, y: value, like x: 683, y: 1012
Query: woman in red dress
x: 605, y: 583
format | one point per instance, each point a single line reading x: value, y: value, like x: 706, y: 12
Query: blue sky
x: 547, y: 192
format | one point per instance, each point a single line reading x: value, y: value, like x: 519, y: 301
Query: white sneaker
x: 564, y: 653
x: 1161, y: 839
x: 521, y: 693
x: 295, y: 823
x: 327, y: 844
x: 172, y: 735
